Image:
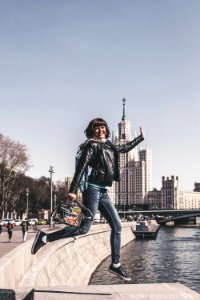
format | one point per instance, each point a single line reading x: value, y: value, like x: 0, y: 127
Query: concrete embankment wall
x: 64, y: 262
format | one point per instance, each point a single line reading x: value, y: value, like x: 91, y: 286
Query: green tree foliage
x: 39, y: 196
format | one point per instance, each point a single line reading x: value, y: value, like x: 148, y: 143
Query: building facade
x: 172, y: 196
x: 154, y: 199
x: 171, y: 193
x: 135, y: 170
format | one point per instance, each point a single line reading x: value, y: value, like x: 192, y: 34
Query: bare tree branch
x: 13, y: 161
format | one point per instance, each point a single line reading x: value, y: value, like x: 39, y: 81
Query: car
x: 32, y: 221
x: 5, y: 221
x: 18, y: 222
x: 42, y: 222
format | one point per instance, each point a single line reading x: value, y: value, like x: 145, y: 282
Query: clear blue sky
x: 65, y: 62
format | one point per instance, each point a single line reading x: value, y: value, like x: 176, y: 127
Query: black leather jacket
x: 103, y: 158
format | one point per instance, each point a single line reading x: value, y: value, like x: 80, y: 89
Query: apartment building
x: 173, y: 196
x: 135, y: 170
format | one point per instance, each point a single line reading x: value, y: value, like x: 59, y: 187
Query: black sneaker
x: 38, y: 243
x: 119, y: 272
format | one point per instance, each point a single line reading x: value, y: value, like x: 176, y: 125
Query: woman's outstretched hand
x: 142, y: 132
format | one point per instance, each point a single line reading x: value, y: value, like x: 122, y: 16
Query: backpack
x: 83, y: 185
x: 10, y: 227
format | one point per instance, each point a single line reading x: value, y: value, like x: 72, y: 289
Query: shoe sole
x: 120, y: 276
x: 34, y: 243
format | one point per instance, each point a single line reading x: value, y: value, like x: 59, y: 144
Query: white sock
x: 116, y: 265
x: 44, y: 239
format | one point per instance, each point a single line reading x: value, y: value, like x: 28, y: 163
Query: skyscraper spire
x: 123, y: 116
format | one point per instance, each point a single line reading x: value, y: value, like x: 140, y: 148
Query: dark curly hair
x: 89, y: 131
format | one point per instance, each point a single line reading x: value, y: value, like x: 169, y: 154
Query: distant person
x: 102, y: 157
x: 9, y: 227
x: 24, y: 227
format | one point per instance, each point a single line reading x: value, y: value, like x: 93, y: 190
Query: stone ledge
x: 21, y: 269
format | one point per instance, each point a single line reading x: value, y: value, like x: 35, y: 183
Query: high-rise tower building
x: 135, y: 169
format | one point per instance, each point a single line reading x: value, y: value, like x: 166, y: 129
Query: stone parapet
x: 64, y: 262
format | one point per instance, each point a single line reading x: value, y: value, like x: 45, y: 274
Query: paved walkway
x: 16, y: 240
x: 161, y: 291
x: 6, y: 246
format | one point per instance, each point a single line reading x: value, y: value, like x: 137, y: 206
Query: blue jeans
x: 96, y: 198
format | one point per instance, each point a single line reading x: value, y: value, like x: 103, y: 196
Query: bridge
x: 180, y: 217
x: 171, y: 214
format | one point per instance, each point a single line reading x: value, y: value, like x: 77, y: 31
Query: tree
x: 13, y: 161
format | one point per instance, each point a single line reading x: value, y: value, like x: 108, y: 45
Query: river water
x: 173, y: 257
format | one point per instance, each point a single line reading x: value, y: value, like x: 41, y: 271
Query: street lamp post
x: 51, y: 171
x: 55, y: 198
x: 124, y: 209
x: 27, y: 194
